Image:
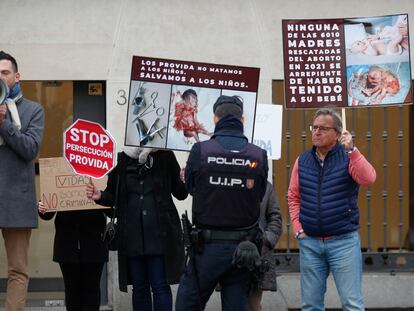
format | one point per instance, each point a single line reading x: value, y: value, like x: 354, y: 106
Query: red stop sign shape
x: 89, y: 149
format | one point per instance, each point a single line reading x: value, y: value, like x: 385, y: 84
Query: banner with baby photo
x: 171, y: 102
x: 347, y: 62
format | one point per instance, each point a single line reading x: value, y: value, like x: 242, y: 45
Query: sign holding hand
x: 92, y: 192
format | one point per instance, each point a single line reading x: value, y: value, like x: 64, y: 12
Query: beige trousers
x: 16, y: 241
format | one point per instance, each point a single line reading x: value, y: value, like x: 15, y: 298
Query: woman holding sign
x: 150, y: 244
x: 81, y: 254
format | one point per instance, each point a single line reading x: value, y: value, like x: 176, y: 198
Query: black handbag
x: 111, y: 235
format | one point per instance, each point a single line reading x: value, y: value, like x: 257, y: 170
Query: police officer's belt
x: 209, y: 234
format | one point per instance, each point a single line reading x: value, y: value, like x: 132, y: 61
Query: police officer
x: 226, y: 176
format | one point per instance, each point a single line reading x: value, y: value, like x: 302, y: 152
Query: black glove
x: 246, y: 256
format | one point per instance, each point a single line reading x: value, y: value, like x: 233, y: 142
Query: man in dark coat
x: 21, y: 131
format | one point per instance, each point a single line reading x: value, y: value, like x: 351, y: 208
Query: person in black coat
x: 150, y: 241
x: 81, y: 254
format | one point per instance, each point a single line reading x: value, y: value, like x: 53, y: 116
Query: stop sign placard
x: 89, y: 149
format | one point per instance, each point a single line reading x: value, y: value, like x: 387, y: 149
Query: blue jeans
x: 340, y: 255
x: 214, y: 266
x: 148, y: 272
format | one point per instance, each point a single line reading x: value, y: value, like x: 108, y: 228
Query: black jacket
x: 167, y: 182
x: 78, y: 236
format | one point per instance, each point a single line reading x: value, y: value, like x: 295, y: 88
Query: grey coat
x: 271, y: 222
x: 17, y: 174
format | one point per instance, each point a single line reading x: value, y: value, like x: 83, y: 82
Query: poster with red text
x: 171, y: 101
x: 347, y: 62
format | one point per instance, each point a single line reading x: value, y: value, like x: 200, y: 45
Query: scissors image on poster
x: 146, y: 134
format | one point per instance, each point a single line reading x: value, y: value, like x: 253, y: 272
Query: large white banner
x: 268, y: 129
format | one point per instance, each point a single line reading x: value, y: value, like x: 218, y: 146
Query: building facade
x: 64, y: 47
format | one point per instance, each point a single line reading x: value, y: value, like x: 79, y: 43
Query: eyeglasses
x: 321, y: 128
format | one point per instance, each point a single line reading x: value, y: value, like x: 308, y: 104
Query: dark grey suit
x: 18, y: 208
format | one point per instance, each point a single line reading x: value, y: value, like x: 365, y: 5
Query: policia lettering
x: 230, y: 181
x: 232, y: 161
x: 218, y: 179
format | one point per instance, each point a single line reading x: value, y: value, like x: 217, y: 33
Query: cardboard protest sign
x: 268, y: 129
x: 63, y: 190
x: 347, y: 62
x: 171, y: 102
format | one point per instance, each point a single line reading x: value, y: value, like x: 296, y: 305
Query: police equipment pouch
x: 193, y: 237
x: 197, y: 240
x: 193, y: 243
x: 247, y: 256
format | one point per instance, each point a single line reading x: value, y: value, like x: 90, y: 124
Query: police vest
x: 227, y: 187
x: 328, y: 194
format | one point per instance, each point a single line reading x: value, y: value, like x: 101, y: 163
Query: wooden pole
x: 343, y: 119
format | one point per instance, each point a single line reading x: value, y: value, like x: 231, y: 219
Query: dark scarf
x: 229, y: 125
x: 16, y: 92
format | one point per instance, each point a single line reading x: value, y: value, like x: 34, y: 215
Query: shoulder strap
x: 114, y: 208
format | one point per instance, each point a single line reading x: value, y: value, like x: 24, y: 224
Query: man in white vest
x: 21, y: 131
